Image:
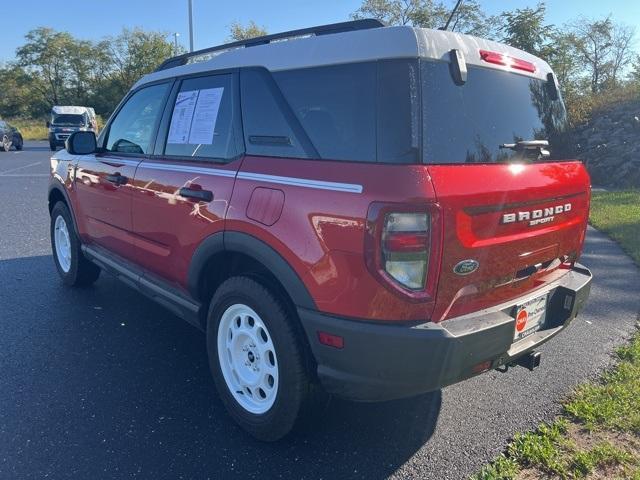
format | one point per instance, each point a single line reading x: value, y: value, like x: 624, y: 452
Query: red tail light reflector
x: 507, y: 61
x: 406, y: 242
x: 330, y: 340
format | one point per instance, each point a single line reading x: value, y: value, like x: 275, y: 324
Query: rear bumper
x: 385, y: 362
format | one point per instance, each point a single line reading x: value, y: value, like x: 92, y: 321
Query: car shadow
x: 103, y: 383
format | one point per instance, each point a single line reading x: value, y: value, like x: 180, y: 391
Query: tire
x: 52, y: 146
x: 19, y: 144
x: 5, y: 144
x: 271, y: 343
x: 74, y: 269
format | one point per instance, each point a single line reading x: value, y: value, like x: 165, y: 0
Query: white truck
x: 66, y: 119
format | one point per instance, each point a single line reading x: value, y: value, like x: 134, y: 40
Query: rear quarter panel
x: 321, y: 232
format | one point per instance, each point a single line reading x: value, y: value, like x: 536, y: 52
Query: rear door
x: 515, y: 210
x: 181, y: 193
x: 104, y: 181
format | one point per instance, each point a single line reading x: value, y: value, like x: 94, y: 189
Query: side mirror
x: 48, y: 124
x: 81, y: 143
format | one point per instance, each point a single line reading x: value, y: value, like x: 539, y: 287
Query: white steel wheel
x: 247, y: 359
x: 63, y: 244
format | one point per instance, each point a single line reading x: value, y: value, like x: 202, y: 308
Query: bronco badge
x: 465, y: 267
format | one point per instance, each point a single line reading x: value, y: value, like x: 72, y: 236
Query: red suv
x: 374, y: 212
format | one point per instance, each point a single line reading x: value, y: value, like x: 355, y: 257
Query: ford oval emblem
x: 466, y: 267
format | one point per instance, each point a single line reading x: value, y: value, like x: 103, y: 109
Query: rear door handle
x: 196, y: 194
x: 117, y: 179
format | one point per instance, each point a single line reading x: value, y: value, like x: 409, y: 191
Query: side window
x: 134, y: 126
x: 336, y: 106
x: 201, y: 122
x: 270, y: 128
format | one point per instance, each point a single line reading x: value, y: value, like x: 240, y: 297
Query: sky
x: 92, y: 20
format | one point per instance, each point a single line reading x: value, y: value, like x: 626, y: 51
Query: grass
x: 36, y: 129
x: 618, y: 215
x: 598, y: 434
x: 31, y: 129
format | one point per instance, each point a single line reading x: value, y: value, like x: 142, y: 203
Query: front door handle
x: 117, y: 179
x: 196, y: 194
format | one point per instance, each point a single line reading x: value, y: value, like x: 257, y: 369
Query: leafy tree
x: 20, y: 96
x: 469, y: 18
x: 634, y: 76
x: 241, y: 32
x: 594, y: 45
x: 524, y: 28
x: 622, y: 51
x: 395, y: 12
x: 45, y: 54
x: 135, y: 53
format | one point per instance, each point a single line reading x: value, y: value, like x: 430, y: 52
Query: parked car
x: 373, y: 212
x: 65, y: 120
x: 10, y: 136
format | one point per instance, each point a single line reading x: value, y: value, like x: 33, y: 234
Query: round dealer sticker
x: 521, y: 320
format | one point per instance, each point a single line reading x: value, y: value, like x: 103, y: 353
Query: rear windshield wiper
x: 526, y: 145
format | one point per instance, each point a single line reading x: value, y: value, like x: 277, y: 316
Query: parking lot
x: 103, y: 383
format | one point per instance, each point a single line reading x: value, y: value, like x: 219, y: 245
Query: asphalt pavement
x: 103, y: 383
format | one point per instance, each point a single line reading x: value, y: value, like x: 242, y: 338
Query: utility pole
x: 191, y: 25
x: 175, y: 43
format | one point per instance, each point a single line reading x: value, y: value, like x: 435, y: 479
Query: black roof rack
x: 252, y: 42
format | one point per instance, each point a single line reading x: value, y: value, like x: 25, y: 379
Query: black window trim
x: 316, y: 156
x: 289, y: 116
x: 104, y: 134
x: 236, y: 130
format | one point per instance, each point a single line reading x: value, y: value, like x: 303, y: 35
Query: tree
x: 469, y: 18
x: 560, y: 53
x: 240, y: 32
x: 594, y: 45
x: 21, y: 97
x: 393, y: 12
x: 621, y: 50
x: 45, y: 54
x: 135, y: 53
x: 634, y: 76
x: 524, y: 28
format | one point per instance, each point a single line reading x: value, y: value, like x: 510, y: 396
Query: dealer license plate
x: 530, y: 317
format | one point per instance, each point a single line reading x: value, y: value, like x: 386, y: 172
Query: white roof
x: 354, y: 46
x: 69, y: 110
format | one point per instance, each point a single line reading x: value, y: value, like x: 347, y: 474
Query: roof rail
x: 252, y: 42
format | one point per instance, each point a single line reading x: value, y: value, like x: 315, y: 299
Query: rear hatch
x: 514, y: 210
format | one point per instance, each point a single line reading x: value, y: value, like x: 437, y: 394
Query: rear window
x: 469, y: 123
x: 69, y: 120
x: 363, y: 112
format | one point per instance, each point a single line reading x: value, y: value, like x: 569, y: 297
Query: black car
x: 9, y: 136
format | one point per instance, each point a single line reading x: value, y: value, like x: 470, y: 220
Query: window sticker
x: 194, y: 116
x: 205, y: 116
x: 182, y: 117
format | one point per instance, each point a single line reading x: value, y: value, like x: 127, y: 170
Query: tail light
x: 507, y: 61
x: 405, y: 248
x: 402, y: 247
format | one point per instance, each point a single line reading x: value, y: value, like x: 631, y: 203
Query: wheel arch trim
x: 56, y: 185
x: 239, y: 242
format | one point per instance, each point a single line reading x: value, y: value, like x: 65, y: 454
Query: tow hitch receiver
x: 529, y: 361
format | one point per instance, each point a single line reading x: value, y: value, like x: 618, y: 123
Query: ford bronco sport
x: 369, y: 211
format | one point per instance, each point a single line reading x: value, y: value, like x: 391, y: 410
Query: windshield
x: 483, y: 120
x: 68, y: 120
